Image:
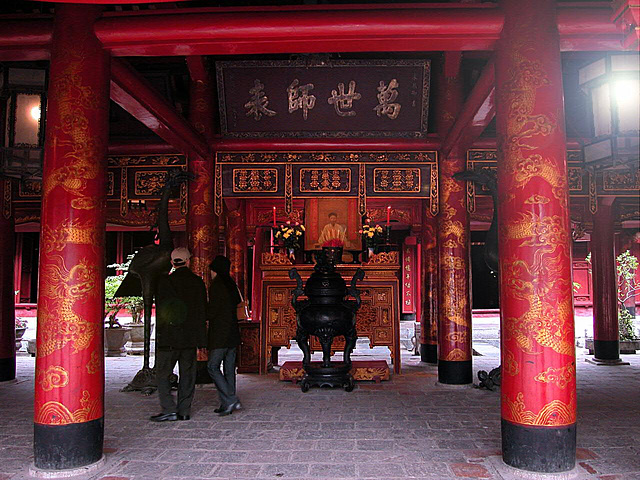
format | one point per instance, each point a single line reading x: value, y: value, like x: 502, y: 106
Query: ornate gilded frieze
x: 626, y: 180
x: 29, y: 189
x: 149, y: 183
x: 396, y: 180
x: 325, y: 180
x: 146, y: 160
x: 254, y: 180
x: 327, y: 157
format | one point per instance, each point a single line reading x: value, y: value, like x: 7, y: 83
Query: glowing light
x: 626, y: 91
x: 35, y: 113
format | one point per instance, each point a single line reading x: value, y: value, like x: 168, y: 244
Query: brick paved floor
x: 405, y: 428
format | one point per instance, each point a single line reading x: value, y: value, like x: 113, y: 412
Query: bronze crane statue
x: 146, y: 266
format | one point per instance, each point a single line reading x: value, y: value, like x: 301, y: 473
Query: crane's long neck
x: 164, y: 232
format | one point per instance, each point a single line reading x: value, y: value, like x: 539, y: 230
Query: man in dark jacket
x: 181, y: 303
x: 224, y: 334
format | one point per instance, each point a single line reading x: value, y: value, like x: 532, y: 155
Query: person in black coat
x: 181, y: 305
x: 224, y: 334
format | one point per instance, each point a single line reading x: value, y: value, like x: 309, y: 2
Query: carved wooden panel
x: 374, y: 320
x: 249, y: 349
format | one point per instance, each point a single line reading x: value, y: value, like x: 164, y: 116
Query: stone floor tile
x: 285, y: 470
x: 189, y: 469
x: 469, y: 470
x: 237, y: 471
x: 380, y: 470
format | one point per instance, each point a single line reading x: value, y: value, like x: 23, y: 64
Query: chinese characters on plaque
x: 346, y: 98
x: 301, y: 99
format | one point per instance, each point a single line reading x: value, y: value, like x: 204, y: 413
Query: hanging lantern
x: 23, y: 97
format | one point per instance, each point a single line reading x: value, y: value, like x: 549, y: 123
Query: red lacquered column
x: 7, y: 301
x: 454, y: 298
x: 606, y: 337
x: 538, y: 353
x: 236, y: 240
x: 202, y: 223
x: 429, y: 319
x: 69, y: 386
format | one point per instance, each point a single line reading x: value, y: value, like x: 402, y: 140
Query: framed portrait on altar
x: 331, y: 219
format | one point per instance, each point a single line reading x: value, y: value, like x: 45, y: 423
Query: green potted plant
x: 21, y: 327
x: 115, y: 335
x: 628, y: 287
x: 133, y: 305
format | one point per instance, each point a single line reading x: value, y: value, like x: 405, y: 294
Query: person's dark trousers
x: 226, y: 384
x: 165, y: 361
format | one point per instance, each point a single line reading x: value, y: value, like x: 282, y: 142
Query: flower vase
x: 292, y: 254
x: 370, y: 253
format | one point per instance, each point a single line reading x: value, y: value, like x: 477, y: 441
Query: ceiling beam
x: 476, y: 113
x: 308, y: 29
x: 134, y: 94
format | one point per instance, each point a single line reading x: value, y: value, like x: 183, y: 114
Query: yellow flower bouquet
x: 371, y: 234
x: 290, y: 236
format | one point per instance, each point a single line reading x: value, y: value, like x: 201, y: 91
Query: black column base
x: 429, y: 353
x: 539, y: 449
x: 606, y: 349
x: 58, y: 447
x: 7, y: 369
x: 455, y: 373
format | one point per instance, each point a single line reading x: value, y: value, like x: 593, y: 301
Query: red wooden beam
x: 476, y: 113
x: 326, y: 29
x: 132, y: 92
x: 307, y: 29
x: 25, y: 38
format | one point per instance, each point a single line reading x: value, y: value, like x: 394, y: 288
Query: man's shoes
x: 184, y: 417
x: 229, y: 410
x: 236, y: 406
x: 164, y: 417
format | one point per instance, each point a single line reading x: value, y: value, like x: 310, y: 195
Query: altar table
x: 378, y: 318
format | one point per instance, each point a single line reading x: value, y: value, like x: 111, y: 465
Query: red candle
x: 388, y: 215
x: 274, y: 217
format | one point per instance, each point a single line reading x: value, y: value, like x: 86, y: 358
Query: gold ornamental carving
x: 55, y: 376
x: 275, y: 259
x: 255, y: 180
x: 55, y: 413
x: 397, y: 180
x: 384, y: 258
x: 560, y: 377
x: 554, y: 413
x: 58, y: 322
x: 95, y: 362
x: 6, y: 199
x: 70, y: 231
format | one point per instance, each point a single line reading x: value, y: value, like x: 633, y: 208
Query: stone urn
x: 135, y: 345
x: 326, y: 314
x: 114, y: 341
x: 19, y: 334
